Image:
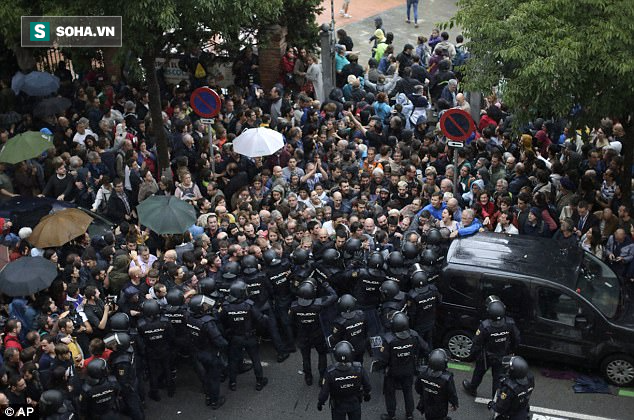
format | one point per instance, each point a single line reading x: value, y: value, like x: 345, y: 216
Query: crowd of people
x: 363, y: 178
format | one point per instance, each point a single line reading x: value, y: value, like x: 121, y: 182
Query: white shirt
x: 511, y: 229
x: 81, y: 138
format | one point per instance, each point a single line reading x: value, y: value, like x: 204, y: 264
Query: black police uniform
x: 123, y: 364
x: 157, y: 337
x: 333, y: 274
x: 299, y: 273
x: 399, y: 356
x: 511, y: 401
x: 238, y: 320
x: 98, y: 399
x: 367, y: 288
x: 421, y: 309
x: 399, y: 275
x: 209, y: 346
x: 390, y: 307
x: 309, y: 330
x: 493, y: 340
x: 176, y: 315
x: 346, y: 384
x: 260, y: 291
x: 437, y: 390
x: 351, y: 327
x: 282, y: 297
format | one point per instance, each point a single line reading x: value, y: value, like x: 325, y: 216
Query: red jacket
x: 12, y: 341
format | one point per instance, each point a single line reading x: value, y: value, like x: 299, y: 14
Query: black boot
x: 261, y: 383
x: 216, y: 405
x: 469, y: 388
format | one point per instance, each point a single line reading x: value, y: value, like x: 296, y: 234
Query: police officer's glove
x: 320, y: 406
x: 490, y: 405
x: 265, y: 318
x: 367, y: 397
x: 325, y: 284
x: 420, y: 407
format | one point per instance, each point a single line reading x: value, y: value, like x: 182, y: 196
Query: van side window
x: 557, y: 306
x: 464, y: 287
x: 514, y: 294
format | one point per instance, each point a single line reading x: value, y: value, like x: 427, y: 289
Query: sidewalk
x: 393, y: 12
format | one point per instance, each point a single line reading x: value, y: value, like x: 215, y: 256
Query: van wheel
x: 459, y: 343
x: 619, y: 369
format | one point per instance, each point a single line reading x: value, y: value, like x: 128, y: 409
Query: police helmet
x: 375, y: 260
x: 50, y: 402
x: 395, y: 259
x: 330, y: 256
x: 419, y: 279
x: 495, y: 307
x: 198, y: 302
x: 306, y: 293
x: 345, y: 305
x: 400, y: 325
x: 231, y: 270
x: 434, y: 236
x: 270, y: 258
x: 299, y: 256
x: 237, y: 291
x: 119, y: 322
x: 343, y: 352
x: 97, y: 368
x: 352, y: 246
x: 438, y: 360
x: 249, y: 264
x: 415, y: 268
x: 121, y: 339
x: 206, y: 286
x: 151, y: 308
x: 429, y: 256
x: 518, y: 368
x: 389, y: 289
x: 410, y: 250
x: 175, y: 297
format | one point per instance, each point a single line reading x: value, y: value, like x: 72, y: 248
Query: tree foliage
x: 300, y: 18
x: 554, y: 55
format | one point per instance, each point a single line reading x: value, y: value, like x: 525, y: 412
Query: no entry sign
x: 457, y: 124
x: 205, y: 102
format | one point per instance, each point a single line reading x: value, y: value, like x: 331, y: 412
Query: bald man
x: 461, y: 103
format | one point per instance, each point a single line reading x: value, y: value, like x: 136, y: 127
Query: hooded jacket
x: 119, y: 274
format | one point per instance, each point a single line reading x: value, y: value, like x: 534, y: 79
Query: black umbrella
x: 9, y: 118
x: 51, y: 106
x: 26, y: 276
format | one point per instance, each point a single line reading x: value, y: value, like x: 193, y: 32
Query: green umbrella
x: 166, y: 214
x: 24, y: 146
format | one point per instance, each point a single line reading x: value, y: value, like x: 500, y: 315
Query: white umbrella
x: 256, y: 142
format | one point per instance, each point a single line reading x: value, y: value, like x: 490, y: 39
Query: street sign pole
x: 456, y: 125
x: 455, y: 172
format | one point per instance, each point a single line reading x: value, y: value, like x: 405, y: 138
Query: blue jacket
x: 474, y: 227
x: 437, y: 213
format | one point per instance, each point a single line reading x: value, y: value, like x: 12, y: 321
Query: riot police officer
x: 436, y: 388
x: 345, y: 383
x: 302, y: 267
x: 496, y: 337
x: 278, y: 270
x: 410, y: 253
x: 209, y: 346
x: 396, y: 270
x: 366, y: 288
x: 330, y: 269
x: 175, y: 312
x: 53, y: 406
x: 350, y: 325
x: 512, y: 398
x: 305, y: 313
x: 260, y: 291
x: 431, y: 261
x: 422, y: 302
x: 353, y: 255
x: 230, y: 272
x: 157, y: 336
x: 125, y: 365
x: 238, y: 317
x: 393, y: 300
x: 99, y: 393
x: 399, y: 355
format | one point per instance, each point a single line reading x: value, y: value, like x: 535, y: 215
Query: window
x: 463, y: 287
x: 556, y: 306
x: 514, y: 294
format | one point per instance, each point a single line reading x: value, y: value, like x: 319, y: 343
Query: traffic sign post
x: 206, y: 104
x: 456, y: 125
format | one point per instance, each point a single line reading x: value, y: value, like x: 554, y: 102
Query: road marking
x: 460, y: 366
x: 551, y: 412
x: 626, y: 392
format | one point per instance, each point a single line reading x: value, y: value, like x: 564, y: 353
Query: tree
x: 556, y: 55
x: 151, y: 27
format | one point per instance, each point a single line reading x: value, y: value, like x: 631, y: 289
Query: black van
x: 568, y: 304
